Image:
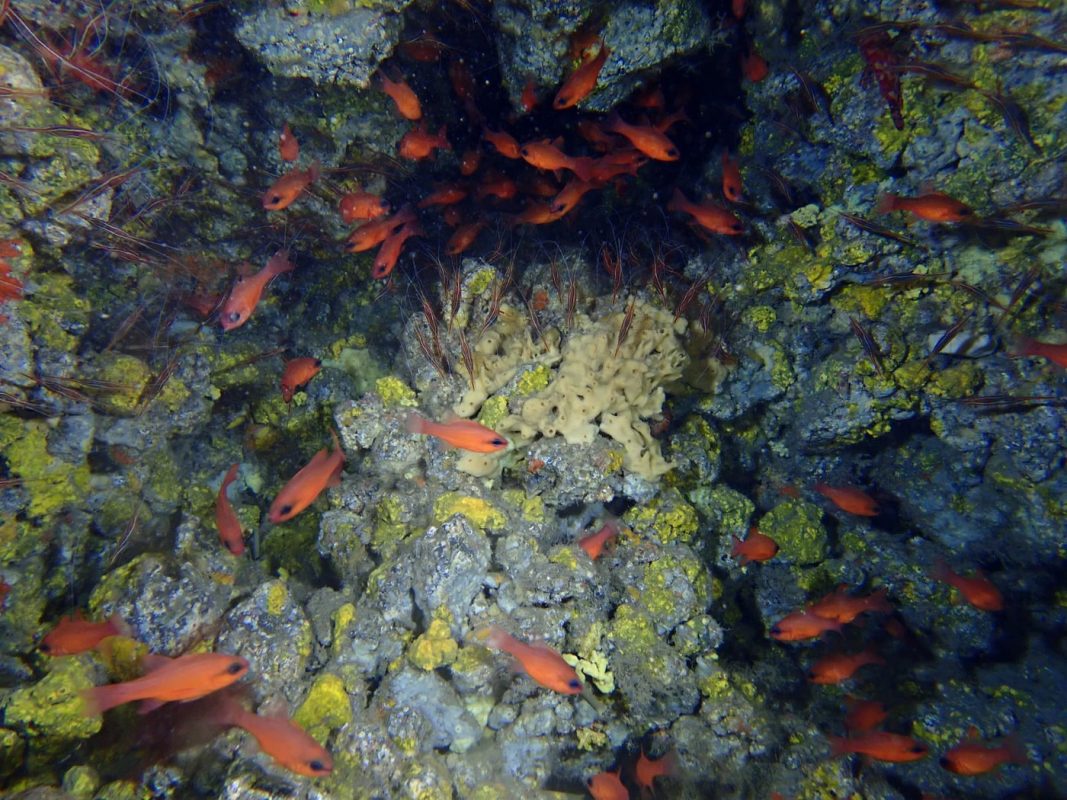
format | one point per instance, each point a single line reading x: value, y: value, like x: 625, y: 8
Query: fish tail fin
x: 886, y: 203
x: 839, y: 746
x: 498, y: 638
x: 583, y: 168
x: 231, y: 474
x: 279, y: 263
x: 415, y: 423
x: 737, y: 546
x: 1023, y: 346
x: 677, y: 201
x: 98, y: 699
x: 941, y: 571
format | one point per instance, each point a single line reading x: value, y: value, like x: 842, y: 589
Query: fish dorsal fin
x: 972, y: 733
x: 151, y: 662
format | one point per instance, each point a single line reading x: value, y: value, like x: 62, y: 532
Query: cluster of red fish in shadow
x: 830, y: 614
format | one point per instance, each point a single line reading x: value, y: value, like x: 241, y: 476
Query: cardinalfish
x: 389, y: 253
x: 582, y: 81
x: 322, y: 472
x: 974, y: 757
x: 184, y: 678
x: 404, y: 97
x: 443, y: 196
x: 297, y: 372
x: 879, y: 745
x: 801, y: 625
x: 280, y: 738
x: 418, y: 143
x: 842, y: 607
x: 362, y: 205
x: 864, y: 714
x: 288, y: 146
x: 226, y: 518
x: 979, y: 591
x: 645, y: 138
x: 546, y: 155
x: 464, y: 434
x: 931, y: 207
x: 646, y: 770
x: 246, y: 292
x: 731, y: 178
x: 607, y: 786
x: 594, y: 543
x: 543, y: 664
x: 464, y: 236
x: 503, y: 142
x: 75, y: 634
x: 849, y: 498
x: 708, y: 216
x: 838, y: 667
x: 371, y: 234
x: 1027, y: 348
x: 756, y: 547
x: 284, y: 191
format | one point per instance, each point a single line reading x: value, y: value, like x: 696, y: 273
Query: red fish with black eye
x: 708, y: 215
x: 756, y: 547
x: 323, y: 471
x: 595, y: 543
x: 297, y: 372
x: 226, y: 518
x: 543, y: 664
x: 979, y: 591
x: 245, y: 294
x: 284, y: 191
x: 932, y: 207
x: 731, y: 178
x: 582, y: 81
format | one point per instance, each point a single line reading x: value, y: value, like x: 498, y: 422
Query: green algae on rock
x: 796, y: 525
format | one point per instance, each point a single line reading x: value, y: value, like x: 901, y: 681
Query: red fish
x: 756, y: 547
x: 979, y: 591
x: 76, y: 634
x: 546, y: 155
x: 645, y: 138
x: 297, y: 372
x: 288, y: 146
x: 877, y: 50
x: 974, y: 757
x: 594, y: 543
x: 184, y: 678
x: 447, y: 195
x: 646, y: 770
x: 362, y: 205
x: 1056, y: 353
x: 465, y: 434
x: 708, y: 216
x: 838, y: 667
x: 289, y: 186
x: 324, y: 470
x: 469, y: 162
x: 842, y: 607
x: 390, y: 251
x: 281, y: 739
x: 529, y: 96
x: 849, y: 498
x: 226, y: 519
x: 407, y: 102
x: 463, y: 237
x: 932, y: 207
x: 581, y: 82
x: 864, y: 714
x: 801, y: 625
x: 754, y: 66
x: 564, y: 202
x: 535, y: 214
x: 244, y: 296
x: 502, y: 141
x: 731, y: 178
x: 607, y: 786
x: 372, y: 234
x: 880, y: 745
x: 649, y: 97
x: 418, y: 144
x: 543, y: 664
x: 499, y: 186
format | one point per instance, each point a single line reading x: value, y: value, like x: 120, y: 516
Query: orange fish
x: 594, y: 543
x: 500, y: 186
x: 708, y: 216
x: 979, y: 591
x: 362, y: 205
x: 226, y: 519
x: 183, y: 678
x: 849, y: 498
x: 581, y: 82
x: 390, y: 251
x: 838, y: 667
x: 465, y: 434
x: 973, y: 757
x: 756, y: 547
x: 645, y: 138
x: 650, y: 97
x: 281, y: 739
x: 444, y: 196
x: 463, y: 237
x: 864, y: 714
x: 932, y: 207
x: 535, y: 214
x: 843, y: 607
x: 543, y: 664
x: 407, y: 102
x: 754, y: 66
x: 75, y: 634
x: 879, y: 745
x: 529, y: 96
x: 1056, y: 353
x: 564, y: 202
x: 372, y: 234
x: 546, y: 155
x: 289, y: 186
x: 244, y: 296
x: 288, y: 146
x: 418, y: 144
x: 802, y: 625
x: 324, y: 470
x: 646, y: 770
x: 607, y: 786
x: 297, y: 372
x: 731, y: 178
x: 502, y: 141
x: 469, y: 162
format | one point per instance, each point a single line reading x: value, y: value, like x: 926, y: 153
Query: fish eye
x: 574, y: 684
x: 918, y: 748
x: 498, y: 442
x: 45, y: 647
x: 317, y: 766
x: 233, y: 316
x: 776, y: 630
x: 285, y: 510
x: 275, y: 199
x: 944, y: 762
x: 235, y: 667
x: 672, y: 151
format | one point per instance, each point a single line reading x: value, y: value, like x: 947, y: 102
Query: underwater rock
x: 421, y: 708
x: 450, y: 562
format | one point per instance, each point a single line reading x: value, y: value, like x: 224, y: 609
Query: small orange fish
x: 754, y: 66
x: 863, y: 715
x: 183, y: 678
x: 297, y: 372
x: 607, y: 786
x: 594, y: 543
x: 974, y: 757
x: 932, y: 207
x: 546, y: 155
x: 463, y: 237
x: 362, y: 205
x: 75, y: 634
x: 802, y: 625
x: 499, y: 186
x: 324, y: 470
x: 447, y: 195
x: 503, y: 142
x: 418, y: 144
x: 731, y: 178
x: 245, y: 294
x: 564, y: 202
x: 646, y: 770
x: 838, y: 667
x: 465, y: 434
x: 1026, y: 347
x: 979, y: 591
x: 469, y: 162
x: 708, y: 216
x: 582, y: 81
x: 407, y: 102
x: 281, y: 739
x: 390, y: 251
x: 842, y: 607
x: 371, y: 234
x: 288, y: 146
x: 879, y: 745
x: 543, y: 664
x: 756, y: 547
x: 226, y: 519
x: 535, y: 214
x: 849, y: 498
x: 289, y: 186
x: 529, y: 96
x: 645, y: 138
